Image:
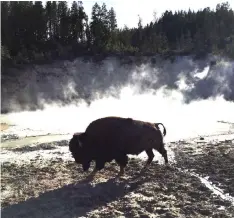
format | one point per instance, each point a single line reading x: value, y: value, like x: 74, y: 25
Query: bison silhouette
x: 113, y: 138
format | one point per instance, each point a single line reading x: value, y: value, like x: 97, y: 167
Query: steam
x: 187, y: 96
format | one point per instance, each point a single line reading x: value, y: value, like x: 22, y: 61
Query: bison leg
x: 122, y: 161
x: 163, y: 152
x: 150, y: 154
x: 98, y: 166
x: 121, y: 172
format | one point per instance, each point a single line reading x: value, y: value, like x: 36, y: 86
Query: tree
x: 55, y: 20
x: 31, y: 31
x: 39, y: 22
x: 99, y: 27
x: 63, y: 16
x: 82, y: 19
x: 74, y: 28
x: 112, y: 20
x: 51, y: 19
x: 5, y: 9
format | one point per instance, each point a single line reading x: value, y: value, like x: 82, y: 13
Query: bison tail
x: 164, y: 129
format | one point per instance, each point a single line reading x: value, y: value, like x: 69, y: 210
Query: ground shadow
x: 73, y: 200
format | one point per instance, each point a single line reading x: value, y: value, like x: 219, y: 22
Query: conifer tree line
x: 33, y: 32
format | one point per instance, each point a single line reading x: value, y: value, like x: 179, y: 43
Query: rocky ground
x: 43, y: 181
x: 214, y: 160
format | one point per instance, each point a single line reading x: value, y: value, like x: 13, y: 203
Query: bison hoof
x: 90, y: 177
x: 120, y: 175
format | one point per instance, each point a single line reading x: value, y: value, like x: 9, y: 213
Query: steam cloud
x: 188, y: 96
x: 67, y: 82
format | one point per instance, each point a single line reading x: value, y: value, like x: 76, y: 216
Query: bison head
x: 79, y: 152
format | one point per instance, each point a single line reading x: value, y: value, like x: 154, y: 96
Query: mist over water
x: 187, y: 96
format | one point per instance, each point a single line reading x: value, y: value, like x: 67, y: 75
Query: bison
x: 113, y: 138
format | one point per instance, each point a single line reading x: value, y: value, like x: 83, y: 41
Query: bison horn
x: 79, y: 143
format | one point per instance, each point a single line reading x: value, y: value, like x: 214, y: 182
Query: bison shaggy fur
x: 113, y: 138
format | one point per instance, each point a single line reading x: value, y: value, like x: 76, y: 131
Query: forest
x: 33, y: 32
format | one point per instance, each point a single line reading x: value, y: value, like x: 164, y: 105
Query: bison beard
x: 113, y: 138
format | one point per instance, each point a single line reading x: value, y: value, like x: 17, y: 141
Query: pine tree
x: 74, y: 27
x: 63, y: 15
x: 112, y: 20
x: 82, y: 20
x: 99, y: 27
x: 30, y: 30
x: 39, y: 22
x: 49, y: 21
x: 55, y: 20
